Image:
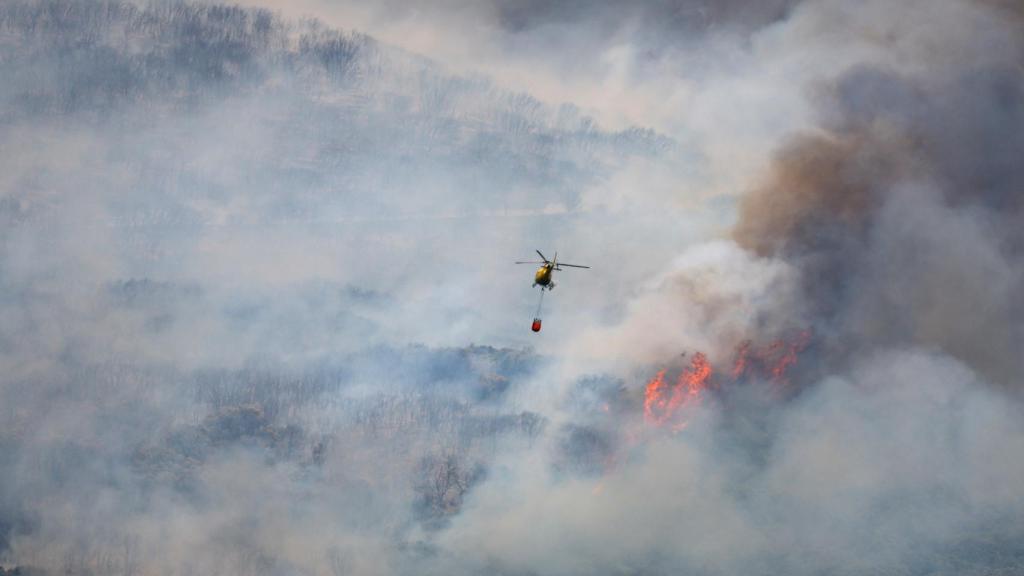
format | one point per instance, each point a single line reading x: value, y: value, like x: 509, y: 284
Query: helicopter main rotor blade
x: 531, y: 262
x: 572, y: 265
x: 543, y: 257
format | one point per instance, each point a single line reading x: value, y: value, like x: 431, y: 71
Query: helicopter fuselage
x: 543, y: 275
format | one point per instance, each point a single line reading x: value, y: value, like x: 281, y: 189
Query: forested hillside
x: 141, y: 380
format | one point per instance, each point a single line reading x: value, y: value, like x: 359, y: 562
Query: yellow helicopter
x: 543, y: 275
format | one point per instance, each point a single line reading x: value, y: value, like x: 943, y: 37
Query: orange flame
x: 662, y: 402
x: 655, y: 399
x: 740, y: 365
x: 772, y: 361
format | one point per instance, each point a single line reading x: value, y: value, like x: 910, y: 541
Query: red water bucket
x: 536, y: 325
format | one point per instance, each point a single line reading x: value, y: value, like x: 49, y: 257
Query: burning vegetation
x: 666, y: 403
x: 663, y: 402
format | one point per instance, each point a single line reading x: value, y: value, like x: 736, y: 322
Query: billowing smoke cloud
x: 259, y: 315
x: 904, y: 213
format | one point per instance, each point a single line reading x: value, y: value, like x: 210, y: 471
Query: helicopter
x: 543, y: 279
x: 543, y: 275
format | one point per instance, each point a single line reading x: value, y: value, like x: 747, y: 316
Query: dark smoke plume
x: 904, y: 215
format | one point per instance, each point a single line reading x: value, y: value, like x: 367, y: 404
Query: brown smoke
x: 816, y: 206
x: 1013, y: 7
x: 819, y: 184
x: 904, y: 215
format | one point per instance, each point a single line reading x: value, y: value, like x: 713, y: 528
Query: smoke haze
x: 259, y: 313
